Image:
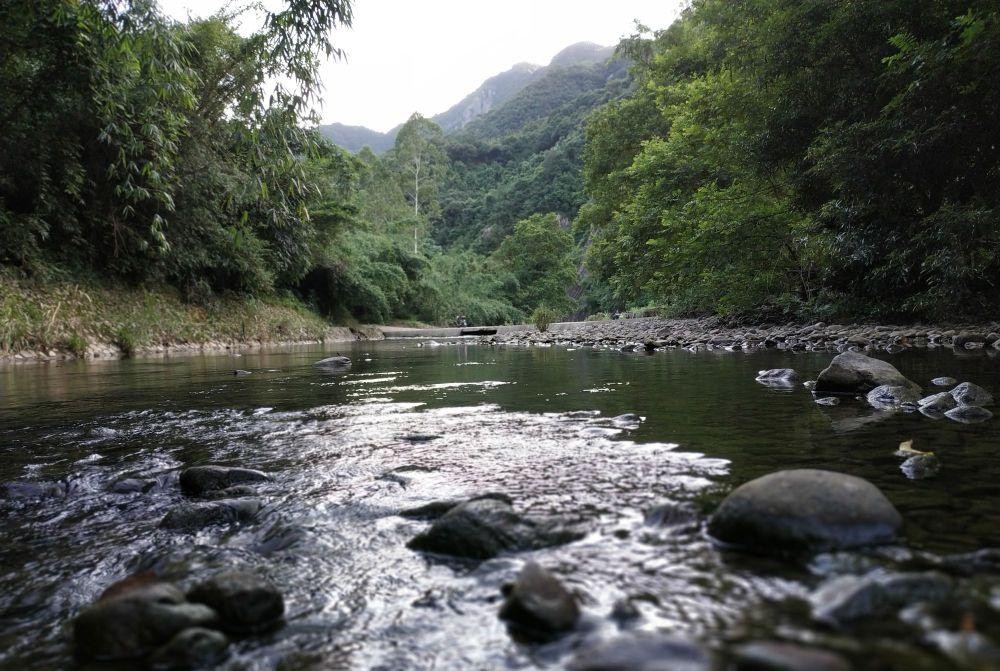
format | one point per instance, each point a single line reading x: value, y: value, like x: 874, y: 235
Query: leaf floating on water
x: 906, y: 450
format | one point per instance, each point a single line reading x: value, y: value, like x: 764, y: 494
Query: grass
x: 76, y: 316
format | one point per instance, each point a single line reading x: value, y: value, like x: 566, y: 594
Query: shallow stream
x: 409, y: 424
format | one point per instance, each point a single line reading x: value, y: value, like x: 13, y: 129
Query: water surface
x: 407, y: 425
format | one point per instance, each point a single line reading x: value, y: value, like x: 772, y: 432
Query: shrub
x: 542, y: 317
x: 127, y: 341
x: 76, y: 345
x: 598, y: 317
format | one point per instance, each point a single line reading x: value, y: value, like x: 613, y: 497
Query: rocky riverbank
x: 711, y: 333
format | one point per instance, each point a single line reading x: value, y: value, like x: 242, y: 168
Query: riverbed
x: 411, y: 423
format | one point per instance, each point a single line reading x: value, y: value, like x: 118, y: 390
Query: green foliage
x: 542, y: 317
x: 127, y: 340
x: 540, y: 257
x: 783, y: 158
x: 76, y: 345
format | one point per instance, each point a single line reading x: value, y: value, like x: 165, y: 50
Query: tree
x: 539, y: 255
x: 420, y: 158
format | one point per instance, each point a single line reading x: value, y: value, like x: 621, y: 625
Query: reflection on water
x: 408, y: 425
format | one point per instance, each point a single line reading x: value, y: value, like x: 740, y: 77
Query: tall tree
x: 421, y: 160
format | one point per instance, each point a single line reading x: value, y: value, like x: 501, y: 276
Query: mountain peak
x: 581, y: 53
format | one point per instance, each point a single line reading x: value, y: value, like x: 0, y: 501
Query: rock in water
x: 485, y: 528
x: 876, y: 595
x: 777, y: 375
x: 199, y: 480
x: 643, y: 652
x: 195, y: 516
x: 801, y: 511
x: 193, y: 648
x: 538, y: 608
x: 134, y: 619
x: 971, y: 394
x: 920, y: 466
x: 938, y: 403
x: 943, y: 381
x: 334, y: 363
x: 781, y: 656
x: 890, y: 397
x: 969, y: 414
x: 245, y: 603
x: 852, y: 373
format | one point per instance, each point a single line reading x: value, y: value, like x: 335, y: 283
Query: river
x: 410, y: 423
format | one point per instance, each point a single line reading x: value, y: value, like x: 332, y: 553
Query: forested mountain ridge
x: 490, y: 95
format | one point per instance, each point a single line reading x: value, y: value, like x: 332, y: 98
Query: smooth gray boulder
x: 192, y: 648
x: 200, y: 480
x: 968, y: 393
x: 643, y: 652
x: 800, y: 511
x: 855, y: 373
x: 877, y: 594
x: 920, y: 466
x: 777, y: 377
x: 941, y: 402
x: 969, y: 414
x: 891, y: 397
x: 485, y: 528
x: 245, y: 603
x: 195, y: 516
x: 782, y: 656
x: 537, y: 607
x: 135, y: 618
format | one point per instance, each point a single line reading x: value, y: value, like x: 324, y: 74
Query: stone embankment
x: 710, y: 333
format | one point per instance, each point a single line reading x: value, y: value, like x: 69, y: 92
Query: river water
x: 409, y: 424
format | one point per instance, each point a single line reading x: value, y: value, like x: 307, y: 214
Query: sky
x: 405, y: 56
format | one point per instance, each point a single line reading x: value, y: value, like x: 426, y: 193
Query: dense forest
x: 758, y: 159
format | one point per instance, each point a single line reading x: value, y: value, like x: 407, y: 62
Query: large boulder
x: 855, y: 373
x: 245, y: 603
x: 195, y: 516
x: 802, y: 511
x: 485, y: 528
x: 537, y: 607
x: 135, y: 619
x: 643, y: 652
x: 202, y: 480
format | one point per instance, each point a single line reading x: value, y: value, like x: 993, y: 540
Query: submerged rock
x: 969, y: 414
x: 968, y: 393
x: 485, y: 528
x: 920, y: 466
x: 643, y: 652
x: 781, y: 656
x: 132, y: 486
x: 986, y: 560
x: 852, y: 372
x: 134, y: 618
x: 32, y: 490
x: 537, y: 607
x: 192, y: 648
x: 890, y: 397
x: 876, y: 595
x: 334, y: 363
x: 245, y: 603
x: 806, y: 510
x: 200, y: 480
x: 435, y: 509
x: 195, y: 516
x: 967, y: 649
x: 777, y: 375
x: 827, y: 400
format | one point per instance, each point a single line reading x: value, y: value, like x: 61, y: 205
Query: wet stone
x: 485, y: 528
x: 783, y: 374
x: 875, y: 595
x: 888, y: 397
x: 968, y: 393
x: 921, y: 466
x: 134, y: 618
x: 132, y: 486
x: 969, y: 414
x: 938, y: 403
x: 200, y: 480
x: 245, y: 603
x: 643, y: 652
x: 852, y: 372
x: 537, y: 607
x: 194, y: 516
x: 192, y: 648
x: 32, y: 490
x: 803, y: 511
x: 781, y: 656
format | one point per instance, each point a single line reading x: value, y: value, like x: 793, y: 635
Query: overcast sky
x: 406, y: 56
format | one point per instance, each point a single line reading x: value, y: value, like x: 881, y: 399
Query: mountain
x: 491, y: 95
